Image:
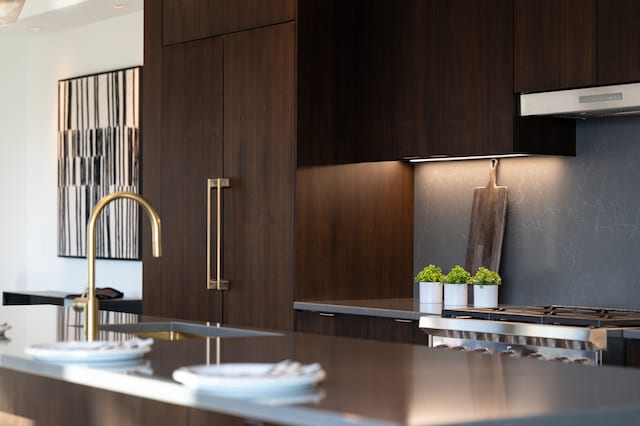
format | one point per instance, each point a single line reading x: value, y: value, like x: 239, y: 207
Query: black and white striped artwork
x: 98, y: 153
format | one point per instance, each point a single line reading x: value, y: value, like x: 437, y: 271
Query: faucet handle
x: 79, y: 304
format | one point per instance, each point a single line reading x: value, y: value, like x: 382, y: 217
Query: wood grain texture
x: 399, y: 331
x: 486, y: 227
x: 356, y: 326
x: 151, y: 141
x: 470, y: 102
x: 618, y: 35
x: 187, y: 20
x: 248, y: 14
x: 354, y: 231
x: 390, y: 78
x: 192, y: 152
x: 387, y: 79
x: 325, y: 74
x: 555, y: 44
x: 259, y: 160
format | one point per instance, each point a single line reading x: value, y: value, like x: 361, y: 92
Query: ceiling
x: 44, y: 16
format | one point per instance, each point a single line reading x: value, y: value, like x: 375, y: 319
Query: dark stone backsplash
x: 573, y: 223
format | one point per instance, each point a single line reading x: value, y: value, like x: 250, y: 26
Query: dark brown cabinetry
x: 186, y: 20
x: 632, y: 353
x: 574, y: 43
x: 618, y: 47
x: 225, y: 111
x: 470, y: 106
x: 361, y: 326
x: 343, y: 325
x: 191, y: 151
x: 555, y: 44
x: 411, y: 78
x: 354, y: 231
x: 396, y: 330
x: 225, y: 107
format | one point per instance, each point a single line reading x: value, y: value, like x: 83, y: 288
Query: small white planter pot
x: 430, y: 292
x: 455, y: 294
x: 485, y: 296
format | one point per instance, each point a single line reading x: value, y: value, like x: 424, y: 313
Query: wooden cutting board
x: 486, y: 228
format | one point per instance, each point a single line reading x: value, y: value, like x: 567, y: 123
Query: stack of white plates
x: 87, y: 352
x: 254, y: 380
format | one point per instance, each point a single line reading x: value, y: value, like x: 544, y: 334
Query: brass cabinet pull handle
x: 218, y: 283
x: 325, y: 314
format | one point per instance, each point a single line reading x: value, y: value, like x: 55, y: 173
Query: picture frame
x: 98, y: 154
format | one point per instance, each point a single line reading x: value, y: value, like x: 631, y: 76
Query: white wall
x: 13, y: 162
x: 28, y: 155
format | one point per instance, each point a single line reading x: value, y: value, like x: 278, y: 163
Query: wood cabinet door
x: 186, y: 20
x: 389, y: 84
x: 396, y: 330
x: 555, y: 44
x: 259, y: 160
x: 470, y: 104
x: 191, y: 151
x: 618, y: 36
x: 331, y: 324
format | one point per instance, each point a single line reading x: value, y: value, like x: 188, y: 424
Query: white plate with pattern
x: 86, y: 352
x: 251, y: 379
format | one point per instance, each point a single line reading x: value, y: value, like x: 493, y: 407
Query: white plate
x: 248, y: 379
x: 89, y: 352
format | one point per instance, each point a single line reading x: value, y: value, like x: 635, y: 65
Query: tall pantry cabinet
x: 218, y: 103
x: 230, y: 92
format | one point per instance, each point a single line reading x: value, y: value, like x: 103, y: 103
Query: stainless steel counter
x: 406, y: 308
x: 368, y: 382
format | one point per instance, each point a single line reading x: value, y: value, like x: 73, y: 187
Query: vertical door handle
x: 216, y: 283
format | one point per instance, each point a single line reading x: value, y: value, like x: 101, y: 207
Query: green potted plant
x: 485, y: 288
x: 455, y: 286
x: 429, y: 281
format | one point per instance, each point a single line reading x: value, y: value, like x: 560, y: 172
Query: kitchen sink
x: 177, y: 330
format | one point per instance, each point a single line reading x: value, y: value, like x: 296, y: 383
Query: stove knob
x: 458, y: 348
x: 482, y: 350
x: 536, y: 355
x: 582, y: 361
x: 441, y: 346
x: 509, y: 354
x: 560, y: 359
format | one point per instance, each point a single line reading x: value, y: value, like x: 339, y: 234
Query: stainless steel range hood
x: 601, y: 101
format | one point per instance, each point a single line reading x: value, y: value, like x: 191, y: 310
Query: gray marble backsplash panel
x: 573, y: 224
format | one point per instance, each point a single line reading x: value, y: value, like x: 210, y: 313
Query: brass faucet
x: 88, y: 301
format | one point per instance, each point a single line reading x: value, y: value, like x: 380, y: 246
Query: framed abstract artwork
x: 98, y: 153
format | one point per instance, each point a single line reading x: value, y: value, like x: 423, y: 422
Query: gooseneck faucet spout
x: 88, y: 301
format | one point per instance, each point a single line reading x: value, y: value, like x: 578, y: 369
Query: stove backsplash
x: 573, y: 223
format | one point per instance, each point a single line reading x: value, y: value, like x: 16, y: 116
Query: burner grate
x: 552, y: 314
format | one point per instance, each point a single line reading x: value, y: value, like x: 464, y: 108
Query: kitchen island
x: 367, y: 383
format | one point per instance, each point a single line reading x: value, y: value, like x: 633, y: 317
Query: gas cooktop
x: 553, y: 314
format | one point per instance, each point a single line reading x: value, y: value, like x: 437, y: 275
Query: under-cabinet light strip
x: 471, y: 157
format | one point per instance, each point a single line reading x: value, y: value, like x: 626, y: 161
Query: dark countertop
x: 368, y: 382
x: 60, y: 298
x: 631, y: 333
x: 406, y: 308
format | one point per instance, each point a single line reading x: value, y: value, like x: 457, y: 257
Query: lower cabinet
x: 396, y: 330
x: 332, y: 324
x: 632, y: 353
x: 360, y: 326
